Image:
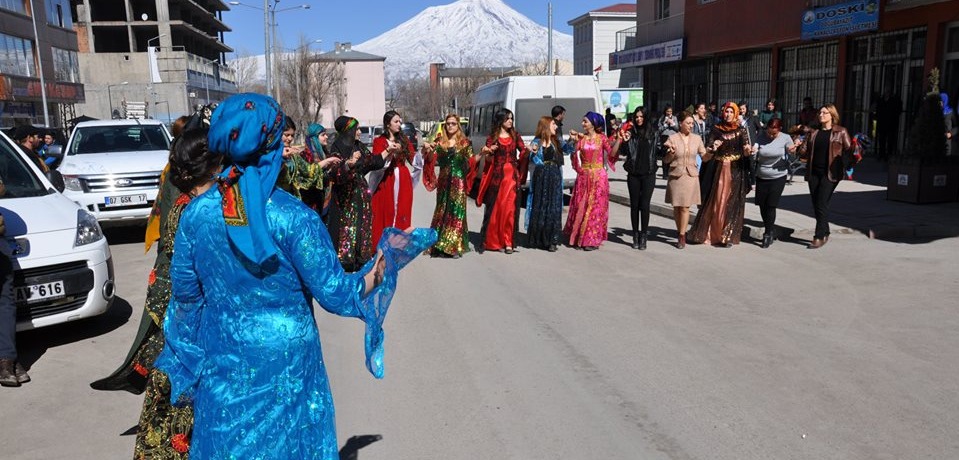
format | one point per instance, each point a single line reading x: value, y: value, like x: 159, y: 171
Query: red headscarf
x: 726, y: 126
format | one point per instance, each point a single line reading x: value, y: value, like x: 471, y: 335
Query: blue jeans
x: 8, y: 310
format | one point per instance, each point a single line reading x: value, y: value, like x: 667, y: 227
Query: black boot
x: 767, y: 240
x: 643, y: 237
x: 635, y: 240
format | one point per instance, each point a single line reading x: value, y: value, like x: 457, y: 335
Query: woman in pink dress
x: 589, y: 206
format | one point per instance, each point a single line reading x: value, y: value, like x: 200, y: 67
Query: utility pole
x: 549, y: 41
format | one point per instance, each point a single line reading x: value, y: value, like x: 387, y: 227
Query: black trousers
x: 768, y: 192
x: 640, y: 194
x: 8, y: 310
x: 820, y: 191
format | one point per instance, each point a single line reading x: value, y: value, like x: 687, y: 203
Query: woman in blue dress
x: 241, y: 340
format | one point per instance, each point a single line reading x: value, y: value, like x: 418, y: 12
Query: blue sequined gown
x: 243, y: 343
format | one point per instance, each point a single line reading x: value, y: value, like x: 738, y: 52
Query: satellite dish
x: 144, y: 16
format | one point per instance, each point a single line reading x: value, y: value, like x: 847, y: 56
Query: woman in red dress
x: 506, y: 159
x: 393, y: 193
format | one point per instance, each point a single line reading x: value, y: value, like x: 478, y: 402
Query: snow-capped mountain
x: 466, y: 33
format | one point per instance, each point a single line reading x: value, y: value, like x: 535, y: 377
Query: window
x: 13, y: 5
x: 99, y: 139
x: 19, y: 179
x: 58, y: 13
x: 16, y: 56
x: 528, y: 111
x: 66, y: 68
x: 662, y: 9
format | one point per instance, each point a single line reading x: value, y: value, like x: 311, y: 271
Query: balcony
x: 659, y: 31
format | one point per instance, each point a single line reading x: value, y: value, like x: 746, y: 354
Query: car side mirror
x: 54, y: 152
x: 56, y: 179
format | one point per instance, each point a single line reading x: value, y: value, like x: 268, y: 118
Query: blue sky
x: 360, y: 20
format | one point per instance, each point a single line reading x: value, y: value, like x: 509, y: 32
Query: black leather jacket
x: 640, y: 153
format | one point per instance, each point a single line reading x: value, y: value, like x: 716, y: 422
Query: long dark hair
x: 400, y: 135
x: 498, y: 119
x: 190, y: 160
x: 645, y: 129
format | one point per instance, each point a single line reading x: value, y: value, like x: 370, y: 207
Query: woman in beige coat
x: 682, y: 190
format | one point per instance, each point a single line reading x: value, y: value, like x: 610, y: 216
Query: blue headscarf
x: 247, y: 129
x: 597, y: 120
x: 946, y: 108
x: 313, y: 141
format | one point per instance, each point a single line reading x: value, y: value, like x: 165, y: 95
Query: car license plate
x: 40, y: 292
x: 125, y: 200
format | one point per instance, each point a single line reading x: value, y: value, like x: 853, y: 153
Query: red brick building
x: 842, y: 52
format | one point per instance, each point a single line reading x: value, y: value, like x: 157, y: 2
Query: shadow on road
x: 32, y: 344
x: 351, y: 450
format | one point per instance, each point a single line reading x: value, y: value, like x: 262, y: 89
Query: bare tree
x: 247, y: 73
x: 326, y: 86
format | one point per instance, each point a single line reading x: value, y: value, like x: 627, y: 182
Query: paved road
x: 845, y: 352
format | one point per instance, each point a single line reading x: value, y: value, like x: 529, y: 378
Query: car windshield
x: 126, y: 138
x: 18, y: 179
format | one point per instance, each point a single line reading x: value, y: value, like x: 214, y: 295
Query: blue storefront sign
x: 841, y: 19
x: 646, y: 55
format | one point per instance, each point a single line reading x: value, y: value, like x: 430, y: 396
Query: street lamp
x: 43, y: 83
x: 269, y: 20
x: 110, y: 96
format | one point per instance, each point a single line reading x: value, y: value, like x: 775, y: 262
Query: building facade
x: 361, y: 93
x: 849, y: 53
x: 594, y: 37
x: 39, y: 61
x: 168, y: 54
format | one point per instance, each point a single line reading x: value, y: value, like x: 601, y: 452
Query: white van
x: 532, y: 97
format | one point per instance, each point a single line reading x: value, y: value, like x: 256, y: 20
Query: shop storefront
x: 806, y: 71
x: 743, y: 77
x: 21, y: 100
x: 880, y: 68
x: 950, y: 63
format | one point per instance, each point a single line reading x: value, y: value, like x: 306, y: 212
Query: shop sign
x: 646, y: 55
x: 17, y: 109
x: 840, y: 19
x: 13, y: 88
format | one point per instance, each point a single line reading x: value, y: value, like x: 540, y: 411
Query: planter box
x: 914, y: 181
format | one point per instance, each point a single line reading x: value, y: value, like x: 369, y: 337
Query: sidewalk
x: 858, y: 206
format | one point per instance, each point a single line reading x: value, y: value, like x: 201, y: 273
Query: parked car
x: 63, y: 269
x: 112, y: 167
x: 368, y: 133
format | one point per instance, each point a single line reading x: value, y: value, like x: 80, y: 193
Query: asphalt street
x: 847, y: 352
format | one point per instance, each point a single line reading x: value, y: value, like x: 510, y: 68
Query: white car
x: 62, y: 266
x: 112, y: 167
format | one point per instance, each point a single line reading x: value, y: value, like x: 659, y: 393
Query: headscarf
x: 313, y: 141
x: 598, y: 121
x: 247, y: 129
x: 727, y: 126
x: 345, y: 136
x: 946, y: 108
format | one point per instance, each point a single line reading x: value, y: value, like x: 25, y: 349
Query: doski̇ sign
x: 840, y: 19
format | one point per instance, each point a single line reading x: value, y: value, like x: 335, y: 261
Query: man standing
x: 12, y: 374
x: 28, y: 138
x: 887, y: 124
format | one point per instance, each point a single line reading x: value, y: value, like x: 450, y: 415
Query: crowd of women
x: 711, y: 162
x: 239, y: 263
